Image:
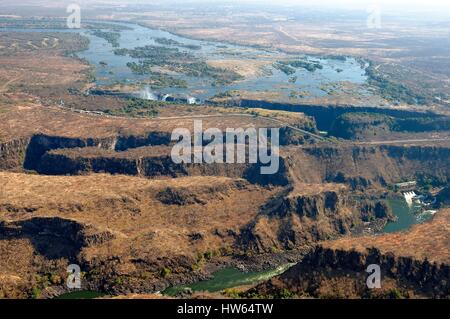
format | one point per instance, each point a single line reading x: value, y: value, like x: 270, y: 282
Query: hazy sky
x: 397, y: 5
x: 357, y: 3
x: 441, y: 7
x: 423, y: 4
x: 329, y: 3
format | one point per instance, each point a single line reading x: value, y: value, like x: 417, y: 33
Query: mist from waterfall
x: 147, y: 94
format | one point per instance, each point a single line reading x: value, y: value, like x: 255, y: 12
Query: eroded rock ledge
x: 308, y: 213
x: 331, y: 273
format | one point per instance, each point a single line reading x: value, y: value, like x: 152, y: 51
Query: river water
x: 229, y: 278
x: 200, y: 88
x: 115, y: 69
x: 408, y: 216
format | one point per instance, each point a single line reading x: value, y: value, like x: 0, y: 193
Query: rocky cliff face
x: 371, y: 210
x: 55, y: 237
x: 60, y: 164
x: 153, y: 138
x: 330, y: 273
x: 145, y: 162
x: 366, y: 165
x: 361, y: 126
x: 12, y: 153
x: 358, y: 166
x: 40, y: 144
x: 443, y: 197
x: 42, y: 153
x: 291, y: 220
x: 357, y: 126
x: 27, y: 152
x: 325, y: 116
x: 155, y: 166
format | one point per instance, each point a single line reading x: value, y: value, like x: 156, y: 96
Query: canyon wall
x: 299, y: 217
x: 361, y: 126
x: 331, y: 273
x: 326, y: 115
x: 12, y: 153
x: 362, y: 165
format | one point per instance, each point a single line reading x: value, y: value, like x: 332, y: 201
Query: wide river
x: 112, y: 69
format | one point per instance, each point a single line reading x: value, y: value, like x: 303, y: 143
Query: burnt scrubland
x: 88, y: 179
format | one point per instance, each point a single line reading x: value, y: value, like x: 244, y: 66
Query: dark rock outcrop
x: 361, y: 126
x: 55, y: 237
x: 357, y: 126
x: 153, y: 138
x: 40, y: 144
x: 326, y: 115
x: 443, y: 197
x: 28, y: 152
x: 329, y: 273
x: 375, y: 164
x: 59, y: 163
x: 291, y: 220
x: 371, y: 210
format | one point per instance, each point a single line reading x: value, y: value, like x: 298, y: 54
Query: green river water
x: 407, y: 216
x: 229, y: 278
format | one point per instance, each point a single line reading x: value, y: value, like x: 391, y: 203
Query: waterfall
x: 409, y: 197
x: 147, y: 94
x: 191, y: 100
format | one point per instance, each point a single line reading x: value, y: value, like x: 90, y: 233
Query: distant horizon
x: 432, y: 9
x: 350, y: 4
